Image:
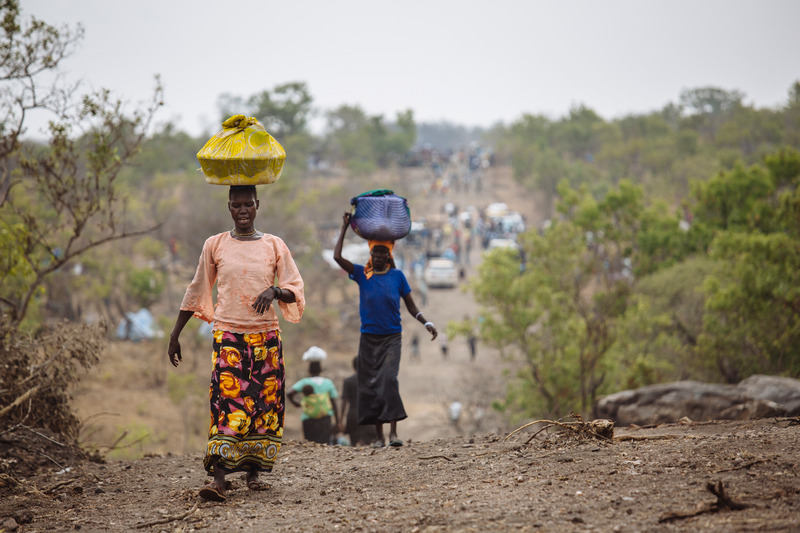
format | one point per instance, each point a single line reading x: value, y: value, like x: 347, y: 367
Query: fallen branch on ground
x: 746, y: 465
x: 599, y: 429
x: 57, y: 486
x: 651, y: 437
x: 723, y: 503
x: 167, y: 519
x: 434, y: 457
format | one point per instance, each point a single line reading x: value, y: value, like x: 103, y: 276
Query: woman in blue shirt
x: 381, y: 286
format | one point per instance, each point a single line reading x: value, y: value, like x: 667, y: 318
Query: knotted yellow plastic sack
x: 243, y: 153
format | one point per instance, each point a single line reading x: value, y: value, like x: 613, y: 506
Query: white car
x: 511, y: 244
x: 440, y: 273
x: 497, y: 209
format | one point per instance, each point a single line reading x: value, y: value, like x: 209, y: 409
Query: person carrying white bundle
x: 319, y: 399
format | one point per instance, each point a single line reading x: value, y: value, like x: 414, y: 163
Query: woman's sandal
x: 257, y: 484
x: 211, y: 492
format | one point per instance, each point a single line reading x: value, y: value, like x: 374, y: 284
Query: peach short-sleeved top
x: 242, y: 270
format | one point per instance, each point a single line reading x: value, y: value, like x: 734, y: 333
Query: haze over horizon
x: 453, y: 61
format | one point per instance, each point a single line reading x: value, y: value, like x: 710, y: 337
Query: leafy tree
x: 26, y: 53
x: 708, y: 108
x: 144, y: 285
x: 791, y: 117
x: 67, y: 202
x: 58, y: 202
x: 580, y: 133
x: 657, y: 336
x: 285, y: 110
x: 165, y: 151
x: 752, y: 323
x: 558, y: 311
x: 739, y: 200
x: 752, y: 320
x: 750, y: 132
x: 364, y: 143
x: 710, y: 100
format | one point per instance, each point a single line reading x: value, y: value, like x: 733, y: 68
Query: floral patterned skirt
x: 247, y: 401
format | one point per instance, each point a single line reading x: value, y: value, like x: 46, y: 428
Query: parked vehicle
x: 502, y: 243
x: 441, y: 273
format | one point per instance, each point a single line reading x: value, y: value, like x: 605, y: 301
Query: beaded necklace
x: 237, y: 234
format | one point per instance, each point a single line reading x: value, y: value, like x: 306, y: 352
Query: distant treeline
x: 673, y: 251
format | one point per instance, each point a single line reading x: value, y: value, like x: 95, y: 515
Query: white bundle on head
x: 315, y: 353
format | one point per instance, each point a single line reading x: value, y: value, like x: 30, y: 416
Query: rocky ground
x: 645, y: 479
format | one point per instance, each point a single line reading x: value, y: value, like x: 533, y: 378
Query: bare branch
x: 21, y: 398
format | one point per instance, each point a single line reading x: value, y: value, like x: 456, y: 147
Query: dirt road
x: 644, y: 480
x: 647, y: 480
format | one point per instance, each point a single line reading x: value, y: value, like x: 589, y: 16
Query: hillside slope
x: 637, y: 482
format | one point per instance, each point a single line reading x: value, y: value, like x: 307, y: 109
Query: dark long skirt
x: 246, y: 400
x: 378, y: 389
x: 318, y: 429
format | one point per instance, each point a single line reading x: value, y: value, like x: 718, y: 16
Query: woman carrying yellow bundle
x: 251, y: 269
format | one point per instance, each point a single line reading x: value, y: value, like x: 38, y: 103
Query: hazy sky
x: 464, y: 61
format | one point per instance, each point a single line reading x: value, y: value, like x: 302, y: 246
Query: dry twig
x: 167, y: 519
x: 650, y: 437
x: 60, y: 485
x: 21, y: 398
x: 435, y: 457
x: 45, y: 436
x: 594, y: 429
x: 746, y: 465
x: 723, y: 503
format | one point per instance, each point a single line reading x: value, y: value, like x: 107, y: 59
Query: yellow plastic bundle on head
x: 243, y: 153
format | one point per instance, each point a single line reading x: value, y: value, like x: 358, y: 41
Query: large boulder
x: 756, y: 397
x: 783, y: 391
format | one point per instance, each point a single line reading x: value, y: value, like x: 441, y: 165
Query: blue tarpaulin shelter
x: 137, y: 326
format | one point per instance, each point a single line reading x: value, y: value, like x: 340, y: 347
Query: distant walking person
x: 415, y: 347
x: 472, y: 340
x: 318, y: 405
x: 381, y: 286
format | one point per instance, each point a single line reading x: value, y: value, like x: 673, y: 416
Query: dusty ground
x: 481, y: 483
x: 447, y: 477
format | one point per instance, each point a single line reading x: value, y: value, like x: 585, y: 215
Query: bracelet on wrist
x: 417, y: 315
x: 278, y: 293
x: 428, y: 324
